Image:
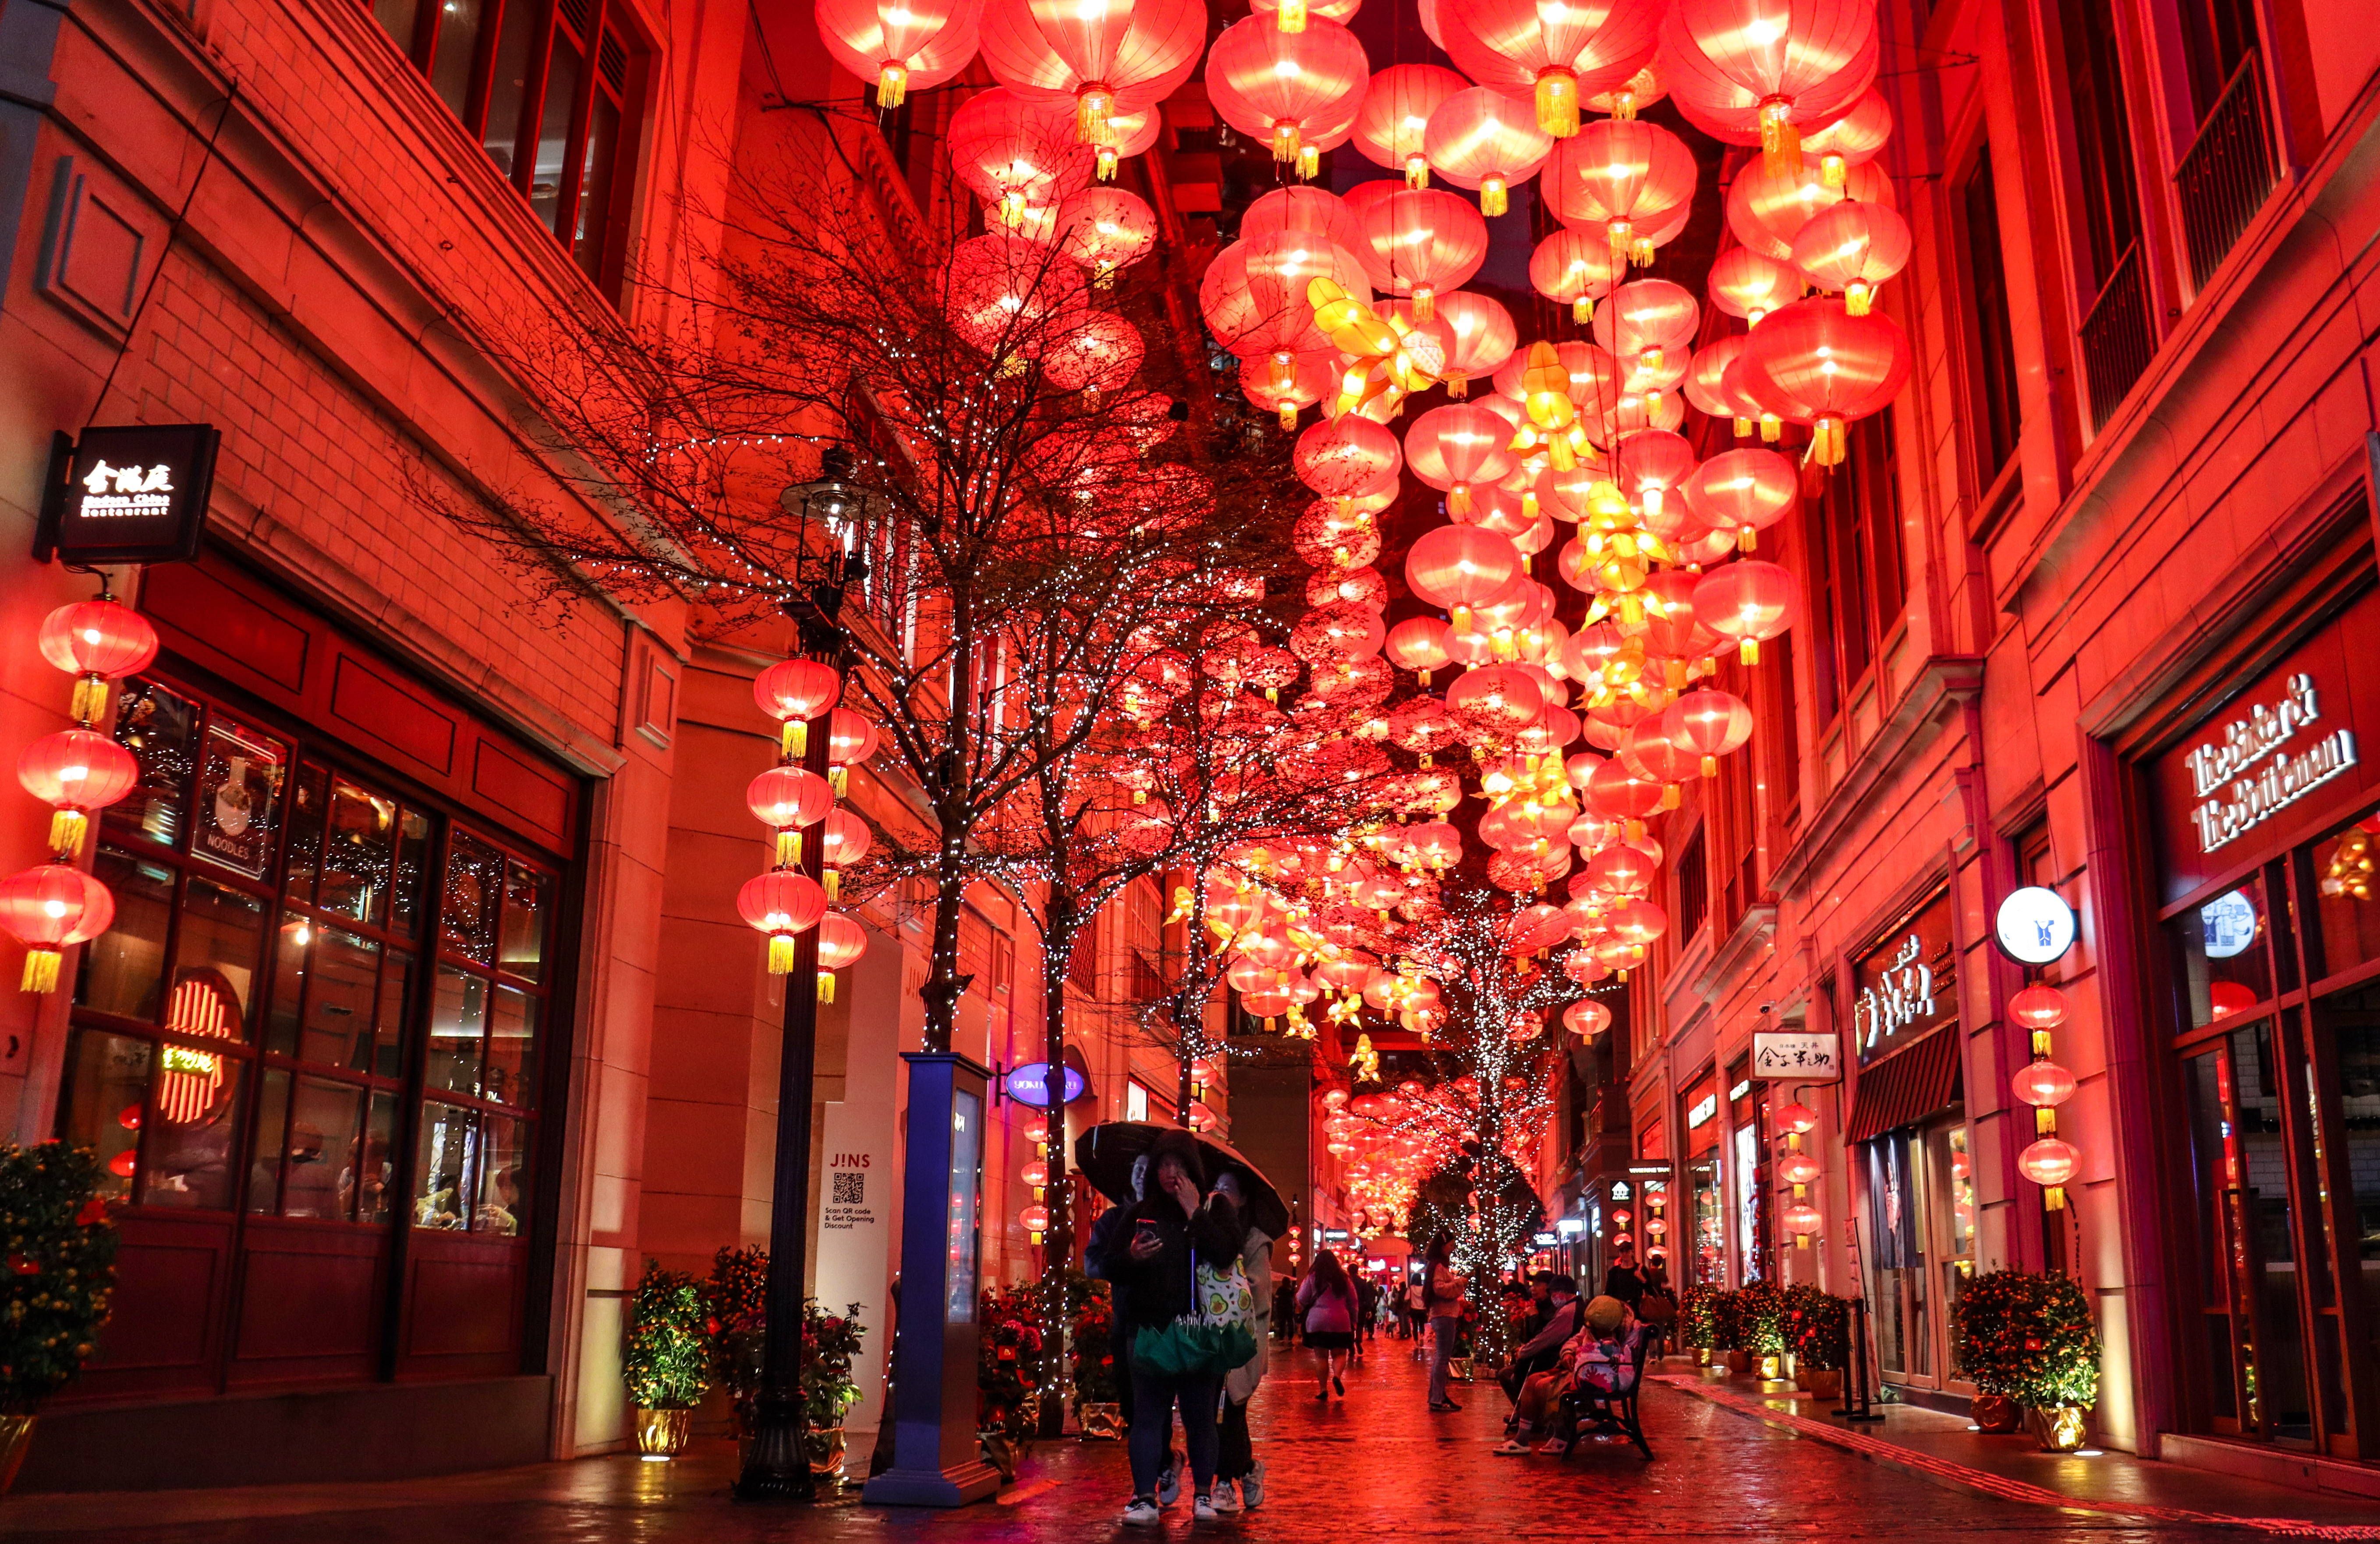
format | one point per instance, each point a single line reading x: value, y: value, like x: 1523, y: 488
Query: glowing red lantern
x: 1299, y: 207
x: 1454, y: 446
x: 847, y: 839
x: 1286, y: 87
x: 780, y: 903
x: 1711, y: 723
x: 1495, y: 698
x: 1036, y: 1218
x: 1798, y: 1168
x: 1480, y: 139
x: 1460, y: 566
x: 2049, y: 1163
x: 1854, y: 248
x: 1762, y: 72
x: 1575, y: 269
x: 1106, y: 230
x: 1766, y: 209
x: 1309, y: 377
x: 1253, y: 295
x: 1016, y: 152
x: 48, y: 909
x: 1627, y: 180
x: 1815, y: 362
x: 1748, y: 601
x: 1748, y: 283
x: 1419, y: 644
x: 1802, y: 1220
x: 841, y: 942
x: 1423, y: 242
x: 1559, y: 53
x: 1109, y: 57
x: 1743, y: 492
x: 1347, y: 455
x: 1392, y: 126
x: 2038, y: 1008
x: 1586, y: 1017
x: 1645, y: 319
x: 787, y: 798
x: 1008, y: 296
x: 96, y: 641
x: 1796, y: 1117
x: 76, y: 772
x: 900, y: 44
x: 2043, y: 1085
x: 1852, y: 140
x: 1481, y: 337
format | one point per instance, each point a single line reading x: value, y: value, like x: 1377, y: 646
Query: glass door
x: 1951, y: 1198
x: 1904, y: 1338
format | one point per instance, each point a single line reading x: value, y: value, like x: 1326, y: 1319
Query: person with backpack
x: 1443, y: 1289
x: 1236, y: 1463
x: 1174, y: 1228
x: 1328, y: 1300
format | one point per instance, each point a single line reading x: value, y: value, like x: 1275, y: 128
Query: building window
x: 1857, y: 579
x: 2217, y: 37
x: 2117, y: 335
x: 1693, y: 888
x: 1992, y: 384
x: 549, y: 88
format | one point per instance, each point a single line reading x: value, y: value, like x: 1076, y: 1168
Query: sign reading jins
x: 1907, y: 984
x: 128, y: 493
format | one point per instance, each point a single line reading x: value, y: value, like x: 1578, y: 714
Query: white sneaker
x: 1221, y: 1500
x: 1141, y: 1513
x: 1169, y: 1488
x: 1252, y: 1488
x: 1202, y: 1511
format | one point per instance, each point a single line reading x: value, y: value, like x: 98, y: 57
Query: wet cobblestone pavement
x: 1375, y: 1464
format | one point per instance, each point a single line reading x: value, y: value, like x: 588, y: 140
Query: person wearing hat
x: 1598, y: 1360
x: 1555, y: 1323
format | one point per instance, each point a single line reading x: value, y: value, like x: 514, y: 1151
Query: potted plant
x: 1698, y: 1322
x: 2027, y: 1340
x: 1099, y: 1409
x: 829, y: 1390
x: 1728, y: 1330
x: 1762, y: 1308
x: 59, y: 1249
x: 1006, y: 1352
x: 666, y: 1363
x: 1818, y: 1325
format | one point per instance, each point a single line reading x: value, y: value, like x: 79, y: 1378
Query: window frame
x: 1990, y: 340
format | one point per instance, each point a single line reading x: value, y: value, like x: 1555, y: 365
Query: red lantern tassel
x: 41, y: 970
x: 781, y: 954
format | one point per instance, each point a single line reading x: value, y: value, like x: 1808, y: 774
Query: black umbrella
x: 1105, y: 1154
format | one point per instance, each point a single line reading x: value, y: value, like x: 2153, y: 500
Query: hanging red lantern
x: 1343, y: 458
x: 1106, y: 230
x: 1453, y: 447
x: 1797, y: 1118
x: 1798, y: 1168
x: 780, y: 903
x: 1852, y: 140
x: 1109, y: 57
x: 1310, y: 377
x: 2049, y: 1163
x: 1391, y: 128
x: 1646, y: 319
x: 96, y: 641
x: 1480, y: 139
x: 847, y: 839
x: 76, y: 772
x: 1036, y: 1218
x: 788, y: 798
x: 841, y: 942
x: 1480, y: 338
x: 1286, y: 87
x: 1010, y: 297
x: 1766, y: 211
x: 1423, y: 243
x: 1016, y: 152
x: 1817, y: 363
x: 1801, y: 1219
x: 1558, y: 55
x: 1748, y: 601
x: 1854, y: 248
x: 1586, y: 1017
x: 2043, y: 1085
x: 1254, y: 295
x: 2038, y: 1008
x: 1300, y: 207
x: 1628, y: 181
x: 1750, y: 283
x: 1575, y: 269
x: 1743, y: 492
x: 900, y: 45
x: 1764, y: 72
x: 1711, y: 724
x: 49, y: 908
x: 1419, y: 644
x: 1459, y: 567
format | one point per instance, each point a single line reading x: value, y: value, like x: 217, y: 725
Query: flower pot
x: 1996, y: 1413
x: 16, y: 1435
x: 1102, y: 1420
x: 1771, y: 1368
x: 2058, y: 1426
x: 826, y: 1450
x: 1739, y: 1361
x: 663, y: 1433
x: 1702, y: 1356
x: 1826, y: 1382
x: 1458, y: 1369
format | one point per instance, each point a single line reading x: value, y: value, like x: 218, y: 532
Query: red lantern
x: 1036, y: 1172
x: 1494, y: 698
x: 1627, y: 181
x: 1308, y: 377
x: 1711, y: 723
x: 1010, y: 297
x: 1391, y: 126
x: 780, y: 903
x: 1797, y: 1118
x: 841, y: 942
x: 1036, y: 1218
x: 900, y: 44
x: 97, y: 641
x: 1748, y: 601
x: 1647, y: 319
x: 1802, y: 1220
x: 1854, y: 248
x: 75, y: 771
x: 1637, y: 921
x: 1110, y: 57
x: 48, y: 909
x: 1423, y: 242
x: 2043, y: 1085
x: 1852, y: 140
x: 1559, y: 54
x: 1743, y: 492
x: 1291, y: 15
x: 1459, y: 567
x: 1106, y: 230
x: 1253, y: 295
x: 1748, y: 283
x: 851, y: 739
x: 1346, y: 457
x: 1586, y: 1017
x: 1766, y: 211
x: 787, y: 798
x: 847, y: 839
x: 1798, y: 1168
x: 1457, y: 445
x: 1480, y: 138
x: 2049, y: 1163
x: 1016, y: 152
x: 1815, y: 362
x: 1419, y: 643
x: 1299, y: 207
x: 1482, y: 337
x: 1763, y: 72
x: 2038, y: 1008
x: 1286, y: 87
x: 1575, y: 269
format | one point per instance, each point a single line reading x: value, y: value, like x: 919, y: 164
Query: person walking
x: 1328, y: 1302
x: 1443, y: 1288
x: 1659, y: 1309
x: 1623, y: 1281
x: 1367, y: 1309
x: 1236, y: 1463
x: 1175, y: 1226
x: 1104, y: 1260
x: 1416, y: 1306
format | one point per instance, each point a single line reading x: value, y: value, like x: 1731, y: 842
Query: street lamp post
x: 777, y: 1468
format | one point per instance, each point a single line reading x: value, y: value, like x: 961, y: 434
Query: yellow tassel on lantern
x: 1772, y: 427
x: 1857, y: 297
x: 839, y: 779
x: 1641, y: 251
x: 789, y: 848
x: 1105, y: 162
x: 1460, y: 617
x: 1093, y: 109
x: 1458, y: 499
x: 1711, y: 766
x: 1558, y: 103
x: 41, y: 970
x: 1749, y: 650
x: 90, y: 700
x: 1424, y: 303
x: 892, y: 85
x: 1833, y: 170
x: 2053, y: 1198
x: 1285, y: 140
x: 781, y: 954
x: 1582, y: 310
x: 1290, y: 18
x: 826, y: 986
x: 1416, y: 170
x: 1623, y: 105
x: 1309, y: 161
x: 1012, y: 208
x: 797, y: 739
x: 1289, y: 415
x: 1492, y: 201
x: 831, y: 880
x: 1746, y: 540
x: 1622, y: 236
x: 1780, y: 142
x: 1743, y: 429
x: 66, y: 829
x: 1827, y: 442
x: 1458, y: 385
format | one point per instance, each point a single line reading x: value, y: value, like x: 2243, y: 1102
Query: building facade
x: 2091, y: 608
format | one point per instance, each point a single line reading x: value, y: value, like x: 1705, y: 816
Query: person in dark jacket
x: 1174, y: 1226
x: 1542, y: 1347
x: 1623, y: 1280
x: 1102, y: 1253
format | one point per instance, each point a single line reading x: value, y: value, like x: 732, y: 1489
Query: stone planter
x: 1739, y: 1361
x: 1996, y: 1413
x: 1826, y: 1382
x: 2059, y: 1427
x: 663, y: 1433
x: 1102, y: 1420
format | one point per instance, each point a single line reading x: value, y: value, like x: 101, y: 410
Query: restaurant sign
x: 1907, y: 984
x: 128, y: 493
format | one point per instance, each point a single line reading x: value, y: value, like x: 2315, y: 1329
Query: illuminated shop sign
x: 129, y: 493
x: 2034, y: 925
x: 1907, y: 984
x: 1796, y: 1055
x: 2265, y: 760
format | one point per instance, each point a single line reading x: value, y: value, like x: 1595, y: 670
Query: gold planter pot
x: 1770, y: 1367
x: 1102, y: 1420
x: 2059, y: 1427
x: 16, y: 1435
x: 1458, y: 1369
x: 826, y: 1450
x: 1702, y: 1356
x: 663, y: 1433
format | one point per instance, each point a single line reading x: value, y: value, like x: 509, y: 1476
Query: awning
x: 1906, y: 1086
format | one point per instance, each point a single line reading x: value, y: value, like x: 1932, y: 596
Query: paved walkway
x: 1373, y: 1464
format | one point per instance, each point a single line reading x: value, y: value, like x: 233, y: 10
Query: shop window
x: 2222, y: 955
x: 2347, y: 897
x: 549, y: 86
x: 1992, y: 380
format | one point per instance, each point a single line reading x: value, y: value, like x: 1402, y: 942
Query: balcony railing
x: 2224, y: 179
x: 2118, y: 338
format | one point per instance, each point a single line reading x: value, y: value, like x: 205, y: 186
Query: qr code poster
x: 850, y: 1190
x: 851, y: 1201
